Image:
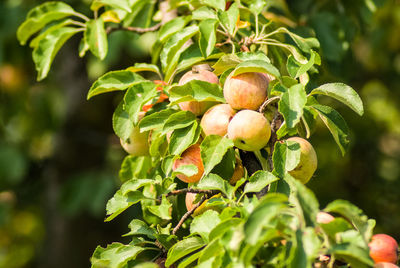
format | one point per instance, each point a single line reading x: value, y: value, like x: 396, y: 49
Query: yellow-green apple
x: 246, y: 90
x: 196, y: 107
x: 324, y: 217
x: 249, y: 130
x: 138, y: 143
x: 308, y: 161
x: 383, y: 248
x: 215, y: 121
x: 191, y: 156
x: 385, y: 265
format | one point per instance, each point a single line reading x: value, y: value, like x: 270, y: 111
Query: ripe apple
x: 308, y: 161
x: 215, y: 121
x: 191, y: 156
x: 383, y: 248
x: 249, y: 130
x: 385, y: 265
x: 246, y: 90
x: 196, y: 107
x: 323, y: 217
x: 238, y: 172
x: 137, y: 143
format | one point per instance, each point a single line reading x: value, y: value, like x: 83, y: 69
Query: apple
x: 137, y: 143
x: 323, y: 217
x: 383, y: 248
x: 385, y: 265
x: 246, y: 90
x: 215, y: 121
x: 191, y: 156
x: 206, y: 205
x: 238, y: 172
x: 249, y: 130
x: 196, y: 107
x: 308, y: 161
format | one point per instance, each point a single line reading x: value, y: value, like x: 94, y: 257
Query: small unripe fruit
x: 137, y: 143
x: 191, y: 156
x: 385, y: 265
x: 215, y: 121
x: 383, y: 248
x: 246, y: 90
x: 323, y: 217
x: 196, y: 107
x: 249, y: 130
x: 308, y: 161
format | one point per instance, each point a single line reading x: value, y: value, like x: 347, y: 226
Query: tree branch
x: 189, y: 190
x: 133, y: 29
x: 187, y: 214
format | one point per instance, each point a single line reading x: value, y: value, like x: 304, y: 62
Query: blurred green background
x: 59, y: 159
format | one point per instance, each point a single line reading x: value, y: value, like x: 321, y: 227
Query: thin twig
x: 187, y: 215
x: 189, y: 190
x: 268, y: 102
x: 133, y: 29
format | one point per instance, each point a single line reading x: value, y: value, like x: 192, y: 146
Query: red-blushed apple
x: 238, y: 172
x: 308, y: 161
x: 383, y: 248
x: 385, y: 265
x: 138, y: 143
x: 196, y: 107
x: 189, y: 199
x: 191, y: 156
x: 324, y: 217
x: 246, y: 90
x: 249, y: 130
x: 215, y: 121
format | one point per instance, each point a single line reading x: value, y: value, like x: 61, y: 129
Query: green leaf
x: 183, y: 248
x: 119, y: 203
x: 257, y: 6
x: 196, y: 90
x: 35, y: 41
x: 96, y: 37
x: 40, y: 16
x: 162, y: 211
x: 187, y: 170
x: 307, y: 203
x: 143, y: 67
x: 135, y: 184
x: 259, y: 181
x: 146, y: 265
x: 171, y: 27
x: 83, y: 47
x: 134, y: 167
x: 156, y: 120
x: 139, y: 227
x: 203, y: 13
x: 354, y: 215
x: 211, y: 251
x: 189, y: 259
x: 259, y: 66
x: 270, y: 206
x: 338, y: 225
x: 137, y: 96
x: 178, y: 120
x: 189, y: 58
x: 342, y: 93
x: 307, y: 248
x: 213, y: 149
x: 174, y: 48
x: 336, y: 125
x: 249, y: 56
x: 204, y: 223
x: 113, y: 81
x: 229, y: 18
x: 217, y: 4
x: 182, y: 138
x: 224, y: 226
x: 292, y: 103
x: 226, y: 62
x: 118, y: 4
x: 286, y: 157
x: 122, y: 123
x: 207, y: 36
x: 115, y: 255
x: 215, y: 182
x: 48, y: 47
x: 352, y: 254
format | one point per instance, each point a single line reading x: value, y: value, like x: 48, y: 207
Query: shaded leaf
x: 213, y: 149
x: 292, y: 103
x: 96, y: 37
x: 183, y: 248
x: 259, y: 181
x: 207, y: 36
x: 204, y: 223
